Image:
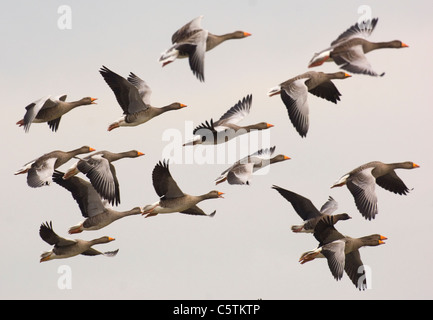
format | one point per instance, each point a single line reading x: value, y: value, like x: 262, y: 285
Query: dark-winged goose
x: 172, y: 198
x: 67, y: 248
x: 97, y: 212
x: 307, y: 211
x: 133, y: 96
x: 227, y: 128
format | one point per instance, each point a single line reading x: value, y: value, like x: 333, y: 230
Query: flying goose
x: 241, y: 171
x: 192, y: 41
x: 133, y: 96
x: 97, y: 212
x: 341, y: 252
x: 40, y: 170
x: 50, y: 109
x: 349, y: 49
x: 227, y: 128
x: 294, y: 93
x: 172, y: 199
x: 306, y: 209
x: 66, y: 248
x: 361, y: 183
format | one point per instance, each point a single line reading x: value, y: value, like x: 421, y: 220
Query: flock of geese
x: 99, y: 192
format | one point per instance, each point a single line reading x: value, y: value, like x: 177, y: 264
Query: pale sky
x: 247, y: 251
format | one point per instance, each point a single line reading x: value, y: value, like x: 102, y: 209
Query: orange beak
x: 220, y: 195
x: 247, y: 34
x: 286, y: 158
x: 91, y: 149
x: 404, y: 45
x: 183, y: 105
x: 269, y: 125
x: 346, y: 75
x: 381, y: 239
x: 140, y: 153
x: 93, y: 100
x: 415, y: 165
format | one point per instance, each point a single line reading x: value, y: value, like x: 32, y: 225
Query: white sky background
x: 247, y: 250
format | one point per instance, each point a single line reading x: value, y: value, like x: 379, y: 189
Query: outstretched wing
x: 164, y: 184
x: 236, y: 113
x: 83, y: 192
x: 303, y: 206
x: 47, y: 234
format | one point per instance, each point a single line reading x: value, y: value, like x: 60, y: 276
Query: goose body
x: 341, y: 252
x: 241, y: 171
x: 227, y: 128
x: 362, y: 180
x: 133, y: 96
x: 66, y: 248
x: 294, y: 94
x: 172, y: 198
x: 97, y: 212
x: 192, y: 41
x: 349, y: 49
x: 39, y: 171
x: 50, y: 109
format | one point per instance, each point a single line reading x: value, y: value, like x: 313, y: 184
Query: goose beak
x: 415, y: 165
x: 404, y: 45
x: 111, y: 239
x: 140, y: 153
x: 286, y: 158
x: 274, y: 91
x: 220, y: 195
x: 346, y: 75
x: 381, y: 239
x: 183, y: 105
x: 93, y: 100
x: 91, y: 149
x: 269, y: 125
x: 247, y: 34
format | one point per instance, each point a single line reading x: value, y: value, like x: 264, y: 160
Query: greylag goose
x: 307, y: 211
x: 193, y: 41
x: 40, y: 171
x: 294, y: 93
x: 241, y: 171
x: 50, y: 109
x: 101, y: 173
x: 133, y: 96
x: 172, y: 198
x: 362, y: 180
x: 349, y: 49
x: 67, y: 248
x: 226, y: 127
x: 97, y: 212
x: 341, y: 252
